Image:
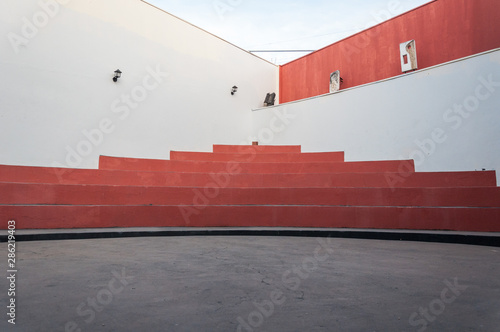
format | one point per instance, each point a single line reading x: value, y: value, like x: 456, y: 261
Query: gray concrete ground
x: 252, y: 284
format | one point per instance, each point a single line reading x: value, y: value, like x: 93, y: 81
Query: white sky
x: 285, y: 25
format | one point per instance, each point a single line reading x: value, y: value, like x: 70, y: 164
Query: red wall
x: 444, y: 30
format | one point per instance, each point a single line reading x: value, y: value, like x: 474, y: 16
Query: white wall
x: 412, y: 116
x: 58, y: 84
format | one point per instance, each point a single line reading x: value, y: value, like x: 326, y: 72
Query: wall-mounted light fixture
x: 234, y: 89
x: 118, y: 74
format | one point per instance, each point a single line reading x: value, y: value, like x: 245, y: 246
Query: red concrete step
x: 159, y: 165
x: 258, y: 157
x: 49, y: 216
x: 28, y: 174
x: 220, y: 148
x: 57, y: 194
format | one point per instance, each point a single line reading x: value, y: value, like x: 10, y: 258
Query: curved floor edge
x: 471, y: 238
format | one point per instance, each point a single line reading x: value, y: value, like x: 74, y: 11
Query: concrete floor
x: 253, y: 284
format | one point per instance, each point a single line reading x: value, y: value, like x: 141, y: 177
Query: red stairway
x: 265, y: 186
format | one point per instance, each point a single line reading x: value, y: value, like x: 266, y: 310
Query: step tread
x: 258, y: 148
x: 252, y: 156
x: 249, y: 186
x: 106, y: 162
x: 70, y: 194
x: 33, y: 174
x: 456, y: 219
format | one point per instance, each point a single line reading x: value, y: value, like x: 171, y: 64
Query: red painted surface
x: 215, y: 193
x: 26, y: 174
x: 57, y: 194
x: 244, y: 149
x: 444, y: 30
x: 258, y: 157
x: 242, y: 167
x: 459, y: 219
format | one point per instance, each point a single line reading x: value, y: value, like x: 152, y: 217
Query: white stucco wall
x: 59, y: 106
x: 447, y: 118
x: 56, y: 69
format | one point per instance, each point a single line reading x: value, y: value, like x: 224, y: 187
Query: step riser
x: 12, y: 194
x: 245, y: 149
x: 113, y: 163
x: 254, y: 157
x: 249, y: 186
x: 457, y: 219
x: 143, y: 178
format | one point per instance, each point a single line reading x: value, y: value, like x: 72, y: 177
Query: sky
x: 257, y: 25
